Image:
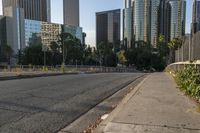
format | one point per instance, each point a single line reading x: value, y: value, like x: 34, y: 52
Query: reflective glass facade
x: 139, y: 20
x: 75, y: 31
x: 174, y: 20
x: 128, y: 26
x: 154, y: 21
x: 108, y: 26
x: 128, y: 3
x: 198, y: 15
x: 32, y: 31
x: 45, y: 33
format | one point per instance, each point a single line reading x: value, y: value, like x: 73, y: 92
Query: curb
x: 40, y: 75
x: 105, y: 102
x: 115, y: 112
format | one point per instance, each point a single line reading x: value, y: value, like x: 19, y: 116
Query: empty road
x: 47, y: 104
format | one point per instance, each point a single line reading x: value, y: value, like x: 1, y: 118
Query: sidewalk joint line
x: 165, y: 126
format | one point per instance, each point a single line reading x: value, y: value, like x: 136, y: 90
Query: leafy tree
x: 121, y: 57
x: 55, y: 50
x: 174, y: 45
x: 65, y: 39
x: 8, y: 52
x: 106, y: 54
x: 33, y: 55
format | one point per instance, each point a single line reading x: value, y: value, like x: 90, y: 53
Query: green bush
x: 188, y: 80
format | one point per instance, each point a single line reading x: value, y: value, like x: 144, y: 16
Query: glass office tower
x: 154, y: 22
x: 128, y: 24
x: 43, y: 32
x: 196, y: 16
x: 33, y: 9
x: 174, y: 19
x: 142, y: 20
x: 139, y: 20
x: 108, y: 26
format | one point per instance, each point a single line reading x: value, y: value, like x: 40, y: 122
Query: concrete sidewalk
x: 155, y: 106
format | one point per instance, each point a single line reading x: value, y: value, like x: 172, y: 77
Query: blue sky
x: 87, y: 14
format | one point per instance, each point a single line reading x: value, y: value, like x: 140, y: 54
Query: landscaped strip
x: 188, y: 81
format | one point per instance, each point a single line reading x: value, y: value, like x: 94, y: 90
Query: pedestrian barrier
x: 67, y: 68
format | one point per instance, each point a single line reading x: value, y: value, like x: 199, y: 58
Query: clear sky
x: 87, y: 14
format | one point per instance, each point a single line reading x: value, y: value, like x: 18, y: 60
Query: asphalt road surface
x: 47, y: 104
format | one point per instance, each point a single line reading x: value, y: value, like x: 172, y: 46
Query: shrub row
x: 188, y: 80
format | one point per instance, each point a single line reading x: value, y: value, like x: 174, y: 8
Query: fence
x: 67, y: 68
x: 189, y: 51
x: 181, y: 65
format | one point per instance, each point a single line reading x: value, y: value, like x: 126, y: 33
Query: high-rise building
x: 45, y: 33
x: 108, y: 26
x: 71, y: 12
x: 154, y: 27
x: 14, y: 24
x: 164, y: 19
x: 196, y: 16
x: 128, y: 24
x: 139, y: 20
x: 33, y: 9
x: 147, y: 21
x: 142, y: 20
x: 177, y: 20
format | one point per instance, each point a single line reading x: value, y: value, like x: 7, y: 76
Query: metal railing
x: 181, y: 65
x: 67, y: 68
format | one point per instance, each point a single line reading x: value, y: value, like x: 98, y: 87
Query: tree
x: 107, y: 56
x: 34, y: 55
x: 174, y: 45
x: 65, y: 39
x: 54, y: 47
x: 55, y: 53
x: 121, y: 57
x: 163, y: 49
x: 8, y: 51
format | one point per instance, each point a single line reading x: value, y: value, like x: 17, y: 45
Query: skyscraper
x: 33, y: 9
x: 139, y: 20
x: 196, y: 17
x: 177, y: 20
x: 147, y: 20
x: 155, y: 4
x: 128, y: 24
x: 164, y: 19
x: 71, y: 12
x: 108, y: 26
